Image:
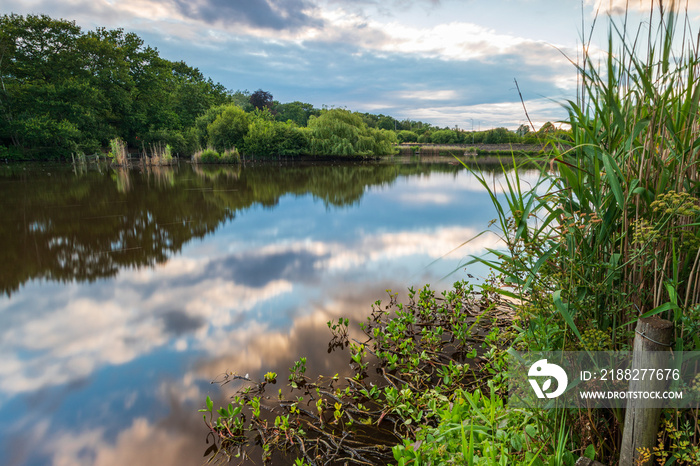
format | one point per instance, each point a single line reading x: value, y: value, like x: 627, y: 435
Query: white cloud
x: 619, y: 7
x: 247, y: 54
x: 445, y: 94
x: 426, y: 198
x: 71, y: 342
x: 457, y: 40
x: 488, y: 115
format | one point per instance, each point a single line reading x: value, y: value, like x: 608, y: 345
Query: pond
x: 125, y: 293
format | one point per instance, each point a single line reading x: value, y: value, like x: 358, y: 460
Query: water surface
x: 124, y: 293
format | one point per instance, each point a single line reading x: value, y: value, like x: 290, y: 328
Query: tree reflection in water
x: 63, y: 225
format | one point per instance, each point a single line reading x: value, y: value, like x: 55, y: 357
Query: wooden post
x: 652, y: 336
x: 587, y: 462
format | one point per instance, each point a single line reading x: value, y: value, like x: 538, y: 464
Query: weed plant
x: 231, y: 156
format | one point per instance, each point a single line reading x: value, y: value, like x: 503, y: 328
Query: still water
x: 125, y: 293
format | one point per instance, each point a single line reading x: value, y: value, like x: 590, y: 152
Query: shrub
x: 209, y: 155
x: 230, y: 156
x: 11, y: 153
x: 228, y: 129
x: 206, y: 156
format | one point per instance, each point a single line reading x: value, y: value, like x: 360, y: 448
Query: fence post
x: 652, y: 336
x: 587, y: 462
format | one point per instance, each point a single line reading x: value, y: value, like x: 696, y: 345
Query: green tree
x: 298, y: 112
x: 91, y: 87
x: 386, y: 122
x: 202, y: 123
x: 194, y: 94
x: 522, y: 130
x: 407, y: 136
x: 37, y: 55
x: 228, y: 129
x: 445, y: 136
x: 500, y: 136
x: 267, y: 138
x: 340, y: 132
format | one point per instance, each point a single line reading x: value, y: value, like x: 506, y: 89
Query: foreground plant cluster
x: 426, y: 385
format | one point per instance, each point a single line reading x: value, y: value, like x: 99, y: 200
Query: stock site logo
x: 542, y: 369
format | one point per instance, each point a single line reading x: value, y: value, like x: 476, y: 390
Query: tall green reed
x: 616, y: 234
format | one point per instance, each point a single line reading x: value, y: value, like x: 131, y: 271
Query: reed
x: 627, y: 191
x: 118, y: 152
x: 231, y: 156
x: 159, y: 155
x: 616, y: 236
x: 612, y: 233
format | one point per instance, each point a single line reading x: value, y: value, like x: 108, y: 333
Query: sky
x: 446, y: 62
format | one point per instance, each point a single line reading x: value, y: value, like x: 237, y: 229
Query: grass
x: 479, y: 430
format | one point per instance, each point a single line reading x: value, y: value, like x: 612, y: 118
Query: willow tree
x: 340, y: 132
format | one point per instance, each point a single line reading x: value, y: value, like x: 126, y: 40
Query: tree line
x: 66, y: 91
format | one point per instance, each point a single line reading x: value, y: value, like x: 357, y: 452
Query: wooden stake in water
x: 652, y: 337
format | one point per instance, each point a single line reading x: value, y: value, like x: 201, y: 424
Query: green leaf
x: 210, y: 404
x: 531, y: 431
x: 653, y: 312
x: 516, y: 441
x: 613, y: 174
x: 564, y: 311
x: 672, y: 296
